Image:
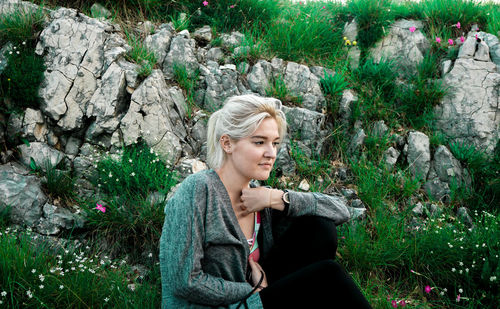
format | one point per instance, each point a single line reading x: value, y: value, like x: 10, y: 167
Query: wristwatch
x: 286, y: 201
x: 285, y: 198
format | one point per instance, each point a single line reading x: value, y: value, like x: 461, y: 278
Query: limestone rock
x: 41, y: 153
x: 401, y: 45
x: 203, y: 34
x: 418, y: 154
x: 390, y: 157
x: 469, y: 112
x: 222, y: 83
x: 301, y: 82
x: 182, y: 52
x: 159, y: 43
x: 152, y: 115
x: 22, y: 192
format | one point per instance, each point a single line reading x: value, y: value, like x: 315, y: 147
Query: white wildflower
x: 3, y: 294
x: 132, y: 174
x: 61, y: 287
x: 41, y: 286
x: 493, y: 278
x: 28, y: 292
x: 33, y: 270
x: 453, y: 269
x: 106, y: 299
x: 460, y: 291
x: 41, y: 277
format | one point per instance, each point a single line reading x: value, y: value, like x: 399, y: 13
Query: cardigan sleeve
x: 318, y: 204
x: 181, y: 252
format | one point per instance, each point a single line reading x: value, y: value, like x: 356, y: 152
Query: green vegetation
x: 187, y: 81
x: 141, y: 55
x: 34, y: 275
x: 133, y: 191
x: 392, y: 254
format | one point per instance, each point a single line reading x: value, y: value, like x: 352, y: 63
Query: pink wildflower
x: 412, y: 29
x: 458, y: 298
x: 232, y: 6
x: 394, y: 304
x: 205, y: 3
x: 450, y: 41
x: 462, y: 39
x: 427, y: 289
x: 458, y: 25
x: 402, y: 303
x: 438, y: 40
x: 100, y: 207
x: 324, y: 7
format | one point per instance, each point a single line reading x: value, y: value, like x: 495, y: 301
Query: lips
x: 266, y: 164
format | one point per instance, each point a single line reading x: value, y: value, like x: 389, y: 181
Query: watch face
x: 285, y: 198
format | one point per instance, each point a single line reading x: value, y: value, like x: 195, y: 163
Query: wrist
x: 276, y: 199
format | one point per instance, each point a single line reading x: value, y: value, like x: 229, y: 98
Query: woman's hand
x: 256, y: 199
x: 257, y: 272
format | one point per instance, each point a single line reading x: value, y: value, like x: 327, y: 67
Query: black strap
x: 244, y: 300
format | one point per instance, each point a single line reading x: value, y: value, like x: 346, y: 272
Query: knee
x: 321, y: 229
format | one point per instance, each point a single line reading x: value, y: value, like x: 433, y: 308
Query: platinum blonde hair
x: 239, y: 118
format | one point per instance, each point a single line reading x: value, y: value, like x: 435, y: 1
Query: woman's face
x: 253, y: 157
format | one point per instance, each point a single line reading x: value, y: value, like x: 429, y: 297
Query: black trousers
x: 301, y: 271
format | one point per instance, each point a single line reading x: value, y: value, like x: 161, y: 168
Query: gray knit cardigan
x: 203, y: 251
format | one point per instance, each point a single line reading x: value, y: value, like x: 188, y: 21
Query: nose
x: 270, y: 152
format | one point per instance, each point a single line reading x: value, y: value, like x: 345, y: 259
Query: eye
x: 276, y: 144
x: 258, y: 143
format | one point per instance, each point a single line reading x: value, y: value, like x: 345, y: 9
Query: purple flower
x: 394, y: 304
x: 412, y: 29
x: 100, y: 207
x: 462, y: 39
x: 438, y: 40
x: 427, y: 289
x: 205, y: 3
x: 402, y: 303
x: 458, y: 25
x: 450, y: 41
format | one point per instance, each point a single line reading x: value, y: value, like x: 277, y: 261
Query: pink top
x: 254, y: 245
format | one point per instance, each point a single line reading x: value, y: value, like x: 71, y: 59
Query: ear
x: 225, y: 143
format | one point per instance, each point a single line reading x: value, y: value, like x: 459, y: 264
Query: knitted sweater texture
x: 203, y: 251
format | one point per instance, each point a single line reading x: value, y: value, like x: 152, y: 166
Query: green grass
x: 333, y: 85
x: 307, y: 32
x: 141, y: 55
x: 133, y: 191
x: 36, y: 275
x: 58, y: 184
x: 20, y: 81
x: 187, y: 82
x: 373, y: 17
x: 20, y: 25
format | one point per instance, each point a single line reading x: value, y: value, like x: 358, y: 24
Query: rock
x: 260, y: 76
x: 301, y: 82
x: 346, y: 106
x: 435, y: 210
x: 215, y: 54
x: 401, y: 45
x: 310, y: 124
x: 357, y: 142
x: 467, y: 112
x: 182, y: 52
x: 73, y: 146
x: 229, y: 41
x: 449, y: 169
x: 418, y: 210
x: 418, y: 154
x: 108, y: 102
x: 152, y: 115
x: 493, y: 45
x: 203, y: 34
x: 446, y: 67
x: 57, y: 218
x: 468, y: 49
x: 463, y: 214
x: 482, y: 52
x: 3, y: 55
x: 357, y: 203
x: 348, y: 193
x: 159, y: 43
x: 22, y: 191
x: 304, y: 185
x: 321, y: 72
x: 354, y: 53
x: 99, y: 11
x: 41, y: 153
x: 188, y: 166
x: 390, y: 157
x: 379, y: 129
x: 222, y: 83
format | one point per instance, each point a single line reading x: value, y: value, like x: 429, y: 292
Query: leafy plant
x: 20, y: 80
x: 58, y: 183
x: 187, y: 81
x: 333, y: 85
x: 20, y: 25
x: 141, y: 55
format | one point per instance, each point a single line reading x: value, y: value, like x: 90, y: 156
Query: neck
x: 233, y: 182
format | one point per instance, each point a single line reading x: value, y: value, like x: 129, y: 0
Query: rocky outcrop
x: 401, y: 45
x: 470, y: 111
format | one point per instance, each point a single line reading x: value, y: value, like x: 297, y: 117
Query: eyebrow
x: 263, y: 137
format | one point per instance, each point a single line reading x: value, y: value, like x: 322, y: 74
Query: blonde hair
x: 239, y: 118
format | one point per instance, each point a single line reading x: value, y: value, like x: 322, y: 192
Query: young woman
x: 227, y: 243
